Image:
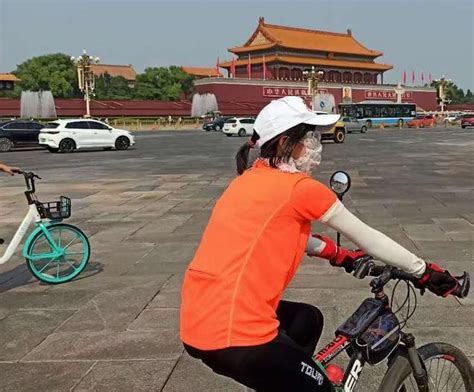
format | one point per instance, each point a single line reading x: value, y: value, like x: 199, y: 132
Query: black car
x: 216, y: 124
x: 19, y: 133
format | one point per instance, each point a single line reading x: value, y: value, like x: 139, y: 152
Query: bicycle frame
x: 32, y: 216
x: 356, y: 364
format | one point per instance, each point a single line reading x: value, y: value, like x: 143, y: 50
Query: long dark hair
x: 270, y: 149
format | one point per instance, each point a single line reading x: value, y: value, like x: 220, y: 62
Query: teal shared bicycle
x: 55, y: 252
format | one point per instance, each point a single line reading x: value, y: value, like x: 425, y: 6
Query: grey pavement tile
x: 196, y: 224
x: 454, y: 224
x: 126, y: 376
x: 110, y: 310
x: 22, y: 330
x: 461, y: 236
x: 461, y: 337
x: 446, y: 250
x: 156, y: 267
x: 178, y: 252
x: 168, y: 223
x: 425, y: 232
x: 116, y: 233
x: 3, y: 312
x: 48, y: 376
x: 341, y: 280
x: 156, y: 320
x: 174, y: 283
x: 166, y: 299
x: 192, y: 375
x: 105, y: 345
x: 45, y: 300
x: 98, y: 283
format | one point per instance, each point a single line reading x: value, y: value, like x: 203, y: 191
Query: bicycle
x: 374, y: 333
x: 55, y: 252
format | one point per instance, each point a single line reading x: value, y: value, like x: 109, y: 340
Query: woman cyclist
x: 232, y: 315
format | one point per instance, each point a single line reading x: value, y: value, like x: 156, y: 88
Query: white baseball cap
x: 285, y: 113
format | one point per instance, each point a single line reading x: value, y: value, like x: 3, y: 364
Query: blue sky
x: 421, y: 35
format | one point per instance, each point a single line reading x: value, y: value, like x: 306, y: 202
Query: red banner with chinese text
x: 277, y: 92
x: 390, y: 95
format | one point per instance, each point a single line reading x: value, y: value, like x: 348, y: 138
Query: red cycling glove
x: 437, y: 280
x: 339, y: 256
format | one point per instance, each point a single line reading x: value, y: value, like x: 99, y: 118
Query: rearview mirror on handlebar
x: 340, y: 183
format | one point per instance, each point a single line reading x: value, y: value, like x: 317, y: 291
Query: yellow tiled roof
x: 268, y: 35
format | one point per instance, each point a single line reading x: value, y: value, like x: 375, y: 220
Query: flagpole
x: 249, y: 70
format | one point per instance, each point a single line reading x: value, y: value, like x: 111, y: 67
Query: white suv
x: 69, y: 135
x: 238, y: 126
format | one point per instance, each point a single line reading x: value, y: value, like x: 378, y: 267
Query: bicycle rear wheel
x: 447, y: 366
x: 63, y: 266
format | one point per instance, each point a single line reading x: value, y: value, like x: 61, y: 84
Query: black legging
x: 283, y: 364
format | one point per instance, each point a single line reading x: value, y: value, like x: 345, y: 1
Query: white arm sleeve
x: 375, y: 243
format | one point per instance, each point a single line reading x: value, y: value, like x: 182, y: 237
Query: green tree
x: 454, y: 93
x: 163, y: 83
x: 112, y: 87
x: 469, y: 97
x: 54, y: 72
x: 15, y: 93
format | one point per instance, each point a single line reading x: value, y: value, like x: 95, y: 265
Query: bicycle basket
x: 380, y: 338
x: 55, y: 210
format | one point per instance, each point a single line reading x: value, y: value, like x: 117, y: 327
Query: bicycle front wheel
x: 59, y: 265
x: 448, y: 370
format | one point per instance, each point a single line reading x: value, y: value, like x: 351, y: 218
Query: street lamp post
x: 313, y: 78
x: 442, y: 90
x: 85, y: 76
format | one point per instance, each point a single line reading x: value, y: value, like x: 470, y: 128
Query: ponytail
x: 242, y: 156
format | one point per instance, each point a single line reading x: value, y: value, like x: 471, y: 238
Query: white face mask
x: 312, y: 155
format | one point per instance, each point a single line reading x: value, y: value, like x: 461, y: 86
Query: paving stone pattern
x: 115, y: 328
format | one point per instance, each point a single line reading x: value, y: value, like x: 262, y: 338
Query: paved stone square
x: 115, y: 328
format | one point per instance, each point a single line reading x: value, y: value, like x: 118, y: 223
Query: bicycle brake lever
x: 464, y: 285
x: 364, y: 265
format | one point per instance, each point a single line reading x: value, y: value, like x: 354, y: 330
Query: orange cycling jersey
x: 249, y: 252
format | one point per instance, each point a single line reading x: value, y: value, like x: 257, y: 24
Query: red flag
x: 218, y: 65
x: 412, y: 77
x: 249, y: 69
x: 422, y: 78
x: 232, y: 67
x: 429, y: 78
x: 264, y: 69
x: 404, y: 77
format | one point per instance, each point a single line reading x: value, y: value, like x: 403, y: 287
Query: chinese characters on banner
x: 277, y: 92
x: 390, y: 95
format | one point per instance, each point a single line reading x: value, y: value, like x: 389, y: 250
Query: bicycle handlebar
x: 29, y: 179
x: 383, y: 274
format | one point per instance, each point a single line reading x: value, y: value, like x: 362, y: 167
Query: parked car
x: 19, y: 133
x: 216, y: 124
x: 462, y: 116
x: 238, y: 126
x: 337, y: 133
x: 69, y: 135
x: 354, y: 125
x: 422, y: 121
x: 467, y: 122
x: 452, y: 118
